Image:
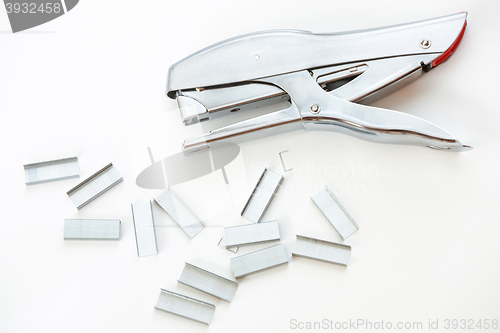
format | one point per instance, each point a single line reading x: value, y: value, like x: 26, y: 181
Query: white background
x: 91, y: 84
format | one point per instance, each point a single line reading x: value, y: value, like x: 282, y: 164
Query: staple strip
x: 91, y: 229
x: 251, y: 233
x: 323, y: 250
x: 259, y: 260
x: 335, y: 212
x: 94, y: 186
x: 253, y: 191
x: 262, y: 195
x: 208, y: 282
x: 180, y: 212
x: 144, y: 227
x: 88, y: 180
x: 185, y: 306
x: 50, y: 171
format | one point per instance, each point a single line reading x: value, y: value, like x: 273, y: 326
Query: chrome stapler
x: 321, y: 76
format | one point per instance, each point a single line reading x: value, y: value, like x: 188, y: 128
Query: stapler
x: 320, y: 77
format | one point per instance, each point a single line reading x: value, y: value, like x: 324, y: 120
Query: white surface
x: 91, y: 84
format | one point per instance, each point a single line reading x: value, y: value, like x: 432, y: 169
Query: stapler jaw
x: 320, y: 76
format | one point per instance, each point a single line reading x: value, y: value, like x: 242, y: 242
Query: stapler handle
x: 320, y: 110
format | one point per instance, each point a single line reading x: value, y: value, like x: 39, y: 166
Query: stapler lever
x: 320, y: 76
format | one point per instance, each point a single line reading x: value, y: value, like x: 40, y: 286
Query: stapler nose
x: 191, y: 110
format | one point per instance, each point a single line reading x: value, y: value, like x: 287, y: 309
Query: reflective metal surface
x: 208, y: 282
x: 283, y: 163
x: 91, y: 229
x: 321, y: 75
x: 259, y: 260
x: 144, y: 227
x: 322, y: 250
x: 94, y: 186
x: 335, y: 212
x: 50, y: 171
x: 262, y: 195
x: 185, y: 306
x: 267, y: 124
x: 365, y: 122
x: 285, y: 51
x: 251, y: 233
x: 377, y: 76
x: 203, y: 105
